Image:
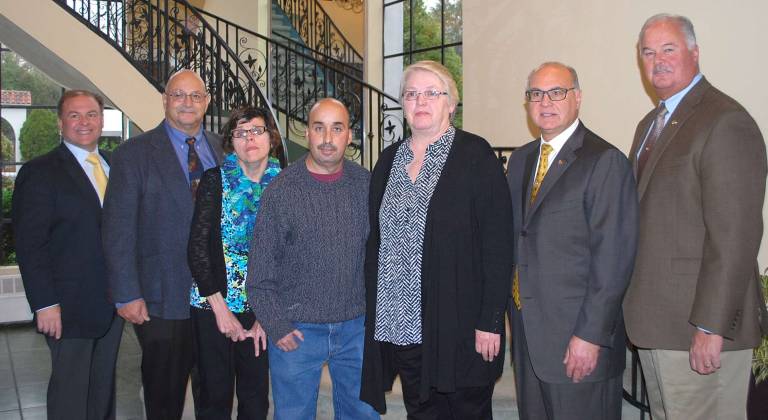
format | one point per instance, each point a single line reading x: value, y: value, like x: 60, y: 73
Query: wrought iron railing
x: 318, y: 30
x: 294, y: 79
x: 637, y: 395
x: 159, y: 37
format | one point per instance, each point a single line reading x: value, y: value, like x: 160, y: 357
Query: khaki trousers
x: 676, y: 392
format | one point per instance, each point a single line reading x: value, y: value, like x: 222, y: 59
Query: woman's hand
x: 225, y: 319
x: 487, y: 344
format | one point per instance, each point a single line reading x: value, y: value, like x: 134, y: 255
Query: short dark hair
x: 245, y: 114
x: 67, y: 95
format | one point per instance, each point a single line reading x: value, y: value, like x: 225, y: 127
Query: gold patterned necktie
x: 546, y: 149
x: 98, y: 174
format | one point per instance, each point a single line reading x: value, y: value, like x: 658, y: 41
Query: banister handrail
x: 288, y: 44
x: 159, y: 37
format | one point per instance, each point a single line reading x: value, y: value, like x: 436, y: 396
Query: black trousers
x: 539, y: 400
x: 167, y: 355
x: 225, y: 366
x: 82, y: 384
x: 466, y: 403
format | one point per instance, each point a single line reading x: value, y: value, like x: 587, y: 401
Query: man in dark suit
x: 694, y: 304
x: 575, y: 224
x: 147, y: 214
x: 57, y: 220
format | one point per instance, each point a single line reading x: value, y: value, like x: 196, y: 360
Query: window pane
x: 452, y: 16
x: 394, y: 19
x: 426, y: 24
x: 453, y: 61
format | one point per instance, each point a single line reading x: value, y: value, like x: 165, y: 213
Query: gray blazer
x: 574, y: 250
x: 145, y: 227
x: 701, y: 198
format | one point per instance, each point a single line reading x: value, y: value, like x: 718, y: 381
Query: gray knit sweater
x: 308, y: 248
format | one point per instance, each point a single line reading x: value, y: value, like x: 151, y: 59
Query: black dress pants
x: 225, y: 366
x: 167, y: 355
x: 466, y: 403
x: 82, y: 384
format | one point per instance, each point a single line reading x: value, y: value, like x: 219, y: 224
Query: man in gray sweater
x: 305, y: 271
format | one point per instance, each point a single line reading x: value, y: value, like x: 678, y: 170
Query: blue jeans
x: 295, y: 375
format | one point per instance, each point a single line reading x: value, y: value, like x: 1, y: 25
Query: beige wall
x: 504, y: 42
x: 250, y: 14
x: 351, y: 24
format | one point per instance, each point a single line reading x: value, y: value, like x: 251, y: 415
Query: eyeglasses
x: 242, y: 133
x: 179, y: 96
x: 429, y: 95
x: 556, y: 94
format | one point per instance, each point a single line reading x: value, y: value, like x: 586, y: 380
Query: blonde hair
x: 438, y: 70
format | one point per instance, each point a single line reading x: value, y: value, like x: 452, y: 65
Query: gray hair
x: 685, y: 25
x: 570, y: 69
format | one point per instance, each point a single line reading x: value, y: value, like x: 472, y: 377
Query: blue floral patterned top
x: 241, y: 199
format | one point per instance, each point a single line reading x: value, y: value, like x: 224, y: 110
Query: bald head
x: 329, y: 102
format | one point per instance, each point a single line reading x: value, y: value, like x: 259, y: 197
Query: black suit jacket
x: 57, y: 225
x: 465, y: 272
x: 574, y: 251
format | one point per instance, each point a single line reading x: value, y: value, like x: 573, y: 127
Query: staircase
x: 293, y: 77
x: 306, y: 22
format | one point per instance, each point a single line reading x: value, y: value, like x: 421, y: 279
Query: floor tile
x: 33, y: 395
x: 10, y: 415
x: 129, y: 408
x: 3, y: 343
x: 8, y: 400
x: 6, y: 379
x: 23, y: 339
x: 32, y: 357
x: 32, y: 375
x: 35, y: 413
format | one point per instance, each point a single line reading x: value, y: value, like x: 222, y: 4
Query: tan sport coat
x: 701, y: 198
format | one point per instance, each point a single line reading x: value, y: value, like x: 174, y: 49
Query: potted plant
x: 757, y: 403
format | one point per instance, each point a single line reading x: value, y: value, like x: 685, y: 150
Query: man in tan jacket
x: 694, y: 304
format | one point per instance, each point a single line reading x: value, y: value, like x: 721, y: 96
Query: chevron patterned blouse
x: 402, y: 217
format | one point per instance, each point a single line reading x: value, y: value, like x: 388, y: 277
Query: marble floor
x: 25, y: 368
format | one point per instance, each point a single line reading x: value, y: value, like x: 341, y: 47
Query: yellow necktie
x: 546, y: 149
x: 98, y: 174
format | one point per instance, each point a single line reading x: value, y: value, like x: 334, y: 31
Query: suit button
x: 523, y: 233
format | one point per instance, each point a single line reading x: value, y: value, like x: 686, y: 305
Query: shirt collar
x: 673, y: 101
x: 558, y: 142
x: 80, y: 153
x: 179, y: 137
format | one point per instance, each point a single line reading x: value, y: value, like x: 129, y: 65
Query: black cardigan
x: 465, y: 274
x: 205, y: 252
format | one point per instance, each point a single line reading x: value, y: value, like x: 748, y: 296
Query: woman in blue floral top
x: 231, y: 345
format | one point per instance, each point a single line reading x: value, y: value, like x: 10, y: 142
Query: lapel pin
x: 561, y: 162
x: 674, y: 122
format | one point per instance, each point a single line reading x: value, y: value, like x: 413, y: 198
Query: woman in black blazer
x: 438, y: 261
x: 228, y: 200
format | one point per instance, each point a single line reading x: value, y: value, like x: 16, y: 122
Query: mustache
x: 329, y: 147
x: 661, y: 68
